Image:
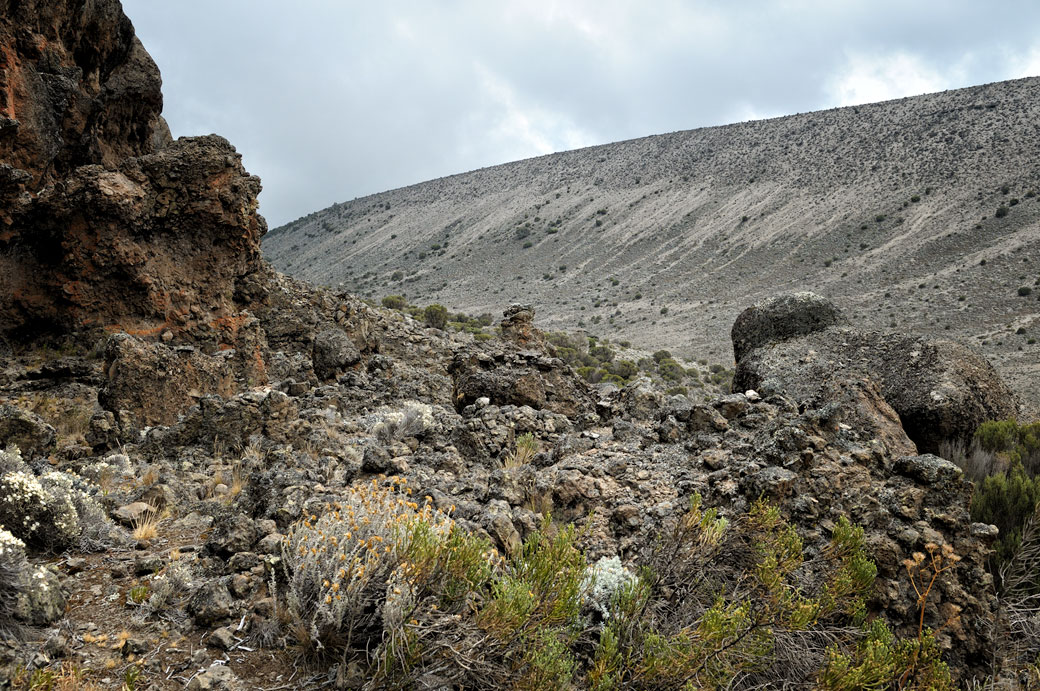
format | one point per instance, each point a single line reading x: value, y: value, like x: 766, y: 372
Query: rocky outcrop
x: 156, y: 244
x: 104, y: 221
x: 153, y: 383
x: 940, y: 390
x: 501, y: 435
x: 782, y: 318
x: 517, y: 326
x: 76, y: 88
x: 524, y: 378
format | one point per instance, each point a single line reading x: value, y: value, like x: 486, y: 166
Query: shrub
x: 683, y: 624
x: 626, y: 369
x: 662, y: 355
x: 1006, y: 500
x: 35, y: 516
x: 1001, y: 212
x: 412, y: 420
x: 436, y: 316
x: 601, y: 353
x: 14, y: 572
x: 533, y: 611
x: 670, y: 370
x: 337, y: 566
x: 1023, y: 291
x: 1012, y: 441
x: 605, y: 581
x: 395, y: 302
x: 879, y: 661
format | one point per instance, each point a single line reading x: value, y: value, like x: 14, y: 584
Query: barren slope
x: 888, y: 208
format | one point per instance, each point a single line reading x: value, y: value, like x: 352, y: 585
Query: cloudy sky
x: 334, y: 99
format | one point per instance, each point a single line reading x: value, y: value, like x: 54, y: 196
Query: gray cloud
x: 328, y: 100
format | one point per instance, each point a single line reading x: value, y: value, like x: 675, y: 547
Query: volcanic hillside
x: 916, y: 213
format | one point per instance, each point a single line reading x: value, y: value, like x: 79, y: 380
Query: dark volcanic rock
x: 781, y: 318
x: 520, y: 378
x: 333, y: 352
x: 156, y: 382
x: 104, y: 221
x: 76, y: 88
x: 25, y: 430
x: 941, y: 390
x: 518, y: 326
x: 156, y: 244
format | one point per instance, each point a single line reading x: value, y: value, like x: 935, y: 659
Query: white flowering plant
x: 14, y: 574
x: 51, y: 512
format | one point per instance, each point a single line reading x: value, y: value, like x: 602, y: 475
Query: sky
x: 328, y: 100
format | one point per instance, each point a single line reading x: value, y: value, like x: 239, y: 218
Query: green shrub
x: 662, y: 355
x: 626, y: 369
x: 1012, y: 441
x: 1006, y: 500
x: 880, y: 661
x: 601, y: 353
x: 395, y: 302
x: 682, y: 625
x: 1023, y: 291
x: 436, y: 316
x: 1001, y: 212
x: 670, y: 369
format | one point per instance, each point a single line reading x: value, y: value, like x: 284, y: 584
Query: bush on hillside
x: 436, y: 316
x: 395, y: 302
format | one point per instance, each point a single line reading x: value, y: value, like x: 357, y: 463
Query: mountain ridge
x: 871, y: 205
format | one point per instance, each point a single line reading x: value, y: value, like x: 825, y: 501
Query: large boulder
x: 24, y: 429
x: 333, y: 352
x: 156, y: 383
x: 941, y: 390
x: 522, y: 378
x: 781, y: 318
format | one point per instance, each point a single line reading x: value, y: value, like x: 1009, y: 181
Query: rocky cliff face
x: 105, y: 222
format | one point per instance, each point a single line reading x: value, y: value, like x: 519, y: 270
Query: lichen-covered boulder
x: 941, y: 390
x: 333, y: 352
x: 781, y: 318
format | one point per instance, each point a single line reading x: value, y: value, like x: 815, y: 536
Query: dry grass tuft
x: 146, y: 527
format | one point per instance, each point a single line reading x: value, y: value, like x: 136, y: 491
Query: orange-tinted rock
x: 104, y: 221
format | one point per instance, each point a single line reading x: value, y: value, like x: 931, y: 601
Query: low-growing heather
x: 398, y: 590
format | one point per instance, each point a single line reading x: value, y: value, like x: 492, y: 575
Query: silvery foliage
x: 604, y: 581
